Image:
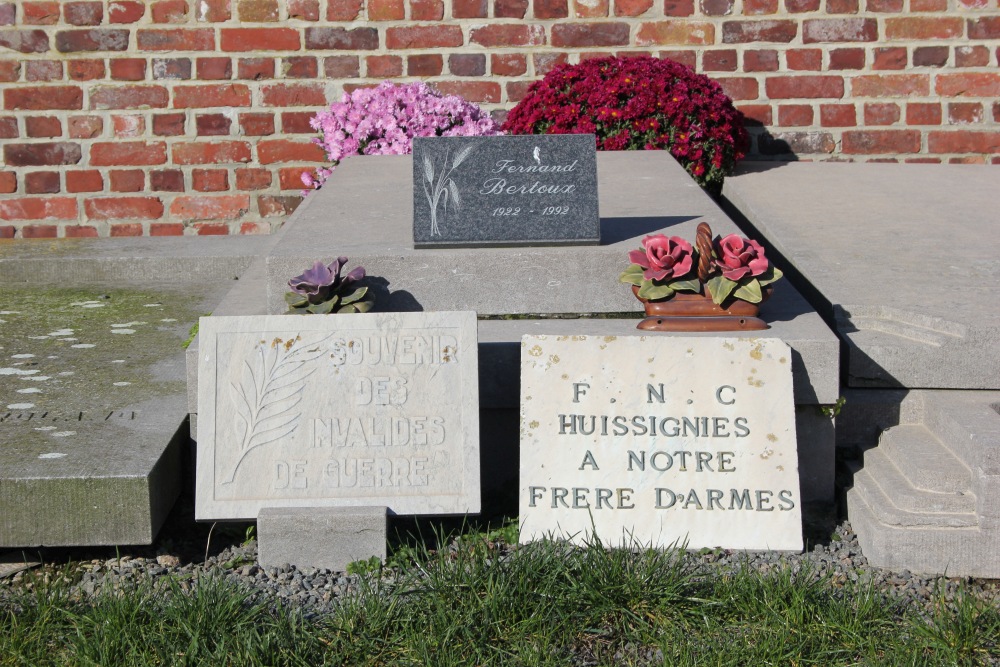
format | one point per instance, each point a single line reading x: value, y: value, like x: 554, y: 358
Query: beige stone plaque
x: 338, y: 410
x: 659, y: 440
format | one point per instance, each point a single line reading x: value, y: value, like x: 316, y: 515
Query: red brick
x: 40, y: 13
x: 716, y: 7
x: 176, y: 39
x: 300, y: 67
x: 884, y: 6
x: 972, y: 56
x: 248, y: 228
x: 297, y: 122
x: 885, y: 113
x: 271, y: 206
x: 80, y: 231
x: 343, y: 10
x: 210, y: 180
x: 550, y: 9
x: 366, y: 39
x: 41, y: 154
x: 127, y: 208
x: 801, y: 6
x: 128, y: 127
x: 791, y: 87
x: 930, y: 56
x: 797, y: 143
x: 8, y: 13
x: 996, y: 112
x: 260, y: 39
x: 43, y: 70
x: 294, y: 95
x: 769, y: 30
x: 342, y: 67
x: 965, y: 113
x: 213, y: 11
x: 253, y: 179
x: 128, y: 97
x: 210, y: 228
x: 166, y: 229
x: 38, y: 231
x: 385, y: 10
x: 963, y: 141
x: 508, y: 9
x: 508, y: 64
x: 39, y: 98
x: 575, y: 35
x: 431, y: 64
x: 85, y: 70
x: 85, y: 127
x: 256, y: 68
x: 474, y: 91
x: 128, y: 153
x: 383, y: 67
x: 466, y: 9
x: 128, y: 69
x: 172, y: 68
x: 42, y: 127
x: 684, y: 57
x: 38, y: 208
x: 214, y: 68
x: 41, y: 182
x: 258, y: 11
x: 7, y: 231
x: 25, y: 41
x: 983, y: 84
x: 127, y: 180
x: 675, y: 32
x: 841, y: 59
x: 423, y: 37
x: 756, y: 114
x: 256, y: 124
x: 839, y: 30
x: 10, y: 70
x: 8, y: 127
x: 890, y: 85
x: 169, y: 11
x: 924, y: 27
x: 168, y: 124
x: 270, y: 151
x: 216, y: 152
x: 795, y: 115
x: 764, y: 60
x: 893, y: 57
x: 166, y: 180
x: 305, y: 10
x: 984, y: 27
x: 841, y: 6
x: 211, y: 95
x: 84, y: 180
x: 740, y: 88
x: 510, y: 34
x: 928, y: 5
x: 804, y: 59
x: 837, y: 115
x: 591, y: 9
x: 868, y: 142
x: 466, y: 64
x: 723, y: 60
x: 126, y: 229
x: 923, y: 113
x: 759, y: 7
x: 95, y: 39
x: 212, y: 125
x: 633, y: 7
x: 197, y: 208
x: 125, y: 11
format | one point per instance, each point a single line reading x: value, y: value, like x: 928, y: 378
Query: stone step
x: 923, y: 460
x: 886, y: 512
x: 968, y: 424
x: 907, y: 496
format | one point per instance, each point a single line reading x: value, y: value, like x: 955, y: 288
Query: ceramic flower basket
x: 714, y: 286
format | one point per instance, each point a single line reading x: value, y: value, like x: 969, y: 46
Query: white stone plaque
x: 657, y: 440
x: 338, y: 410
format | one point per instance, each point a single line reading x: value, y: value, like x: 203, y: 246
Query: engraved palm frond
x: 269, y: 391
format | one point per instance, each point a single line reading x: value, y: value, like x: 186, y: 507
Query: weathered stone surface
x: 505, y: 191
x: 339, y: 410
x: 903, y: 254
x: 659, y: 440
x: 320, y: 537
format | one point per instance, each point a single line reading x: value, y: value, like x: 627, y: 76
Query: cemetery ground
x: 450, y: 591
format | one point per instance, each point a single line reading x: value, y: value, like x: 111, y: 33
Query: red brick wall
x: 122, y: 117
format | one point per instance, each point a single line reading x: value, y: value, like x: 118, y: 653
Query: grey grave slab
x: 659, y: 441
x: 320, y: 537
x: 339, y: 410
x: 505, y: 191
x: 906, y: 256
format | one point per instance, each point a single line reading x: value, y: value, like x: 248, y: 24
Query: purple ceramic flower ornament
x: 321, y: 289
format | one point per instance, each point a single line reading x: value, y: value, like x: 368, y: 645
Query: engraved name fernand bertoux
x: 287, y: 383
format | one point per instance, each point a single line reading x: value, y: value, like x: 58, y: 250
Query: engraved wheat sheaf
x: 442, y: 188
x: 269, y: 392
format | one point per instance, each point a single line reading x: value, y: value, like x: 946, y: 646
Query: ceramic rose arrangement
x: 730, y: 267
x: 322, y: 290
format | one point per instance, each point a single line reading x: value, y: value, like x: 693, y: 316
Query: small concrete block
x: 321, y: 537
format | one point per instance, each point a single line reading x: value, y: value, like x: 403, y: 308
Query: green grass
x: 471, y: 603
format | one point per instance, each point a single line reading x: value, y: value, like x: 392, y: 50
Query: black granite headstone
x: 505, y: 191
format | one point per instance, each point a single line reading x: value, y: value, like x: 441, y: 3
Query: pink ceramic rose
x: 738, y: 257
x: 665, y: 258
